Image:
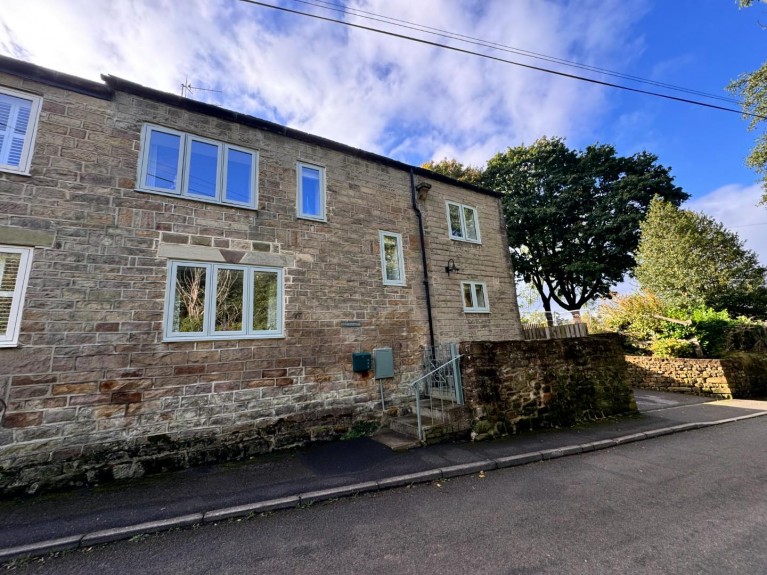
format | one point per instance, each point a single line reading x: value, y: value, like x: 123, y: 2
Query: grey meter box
x: 384, y: 362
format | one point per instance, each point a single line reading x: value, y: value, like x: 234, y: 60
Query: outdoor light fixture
x: 450, y: 267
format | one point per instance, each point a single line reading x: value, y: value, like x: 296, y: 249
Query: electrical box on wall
x: 384, y: 362
x: 361, y: 361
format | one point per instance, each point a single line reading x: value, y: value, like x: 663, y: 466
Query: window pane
x: 239, y: 171
x: 479, y: 290
x: 189, y: 301
x: 203, y: 169
x: 162, y: 165
x: 391, y: 258
x: 9, y: 272
x: 467, y: 301
x: 229, y: 290
x: 455, y: 221
x: 471, y: 225
x: 265, y: 303
x: 14, y: 121
x: 311, y: 200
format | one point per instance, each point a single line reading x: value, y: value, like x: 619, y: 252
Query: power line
x: 503, y: 47
x: 505, y: 61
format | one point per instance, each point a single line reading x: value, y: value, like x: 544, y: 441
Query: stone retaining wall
x: 725, y: 378
x: 517, y: 385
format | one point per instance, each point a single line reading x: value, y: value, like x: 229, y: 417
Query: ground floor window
x: 15, y: 264
x: 223, y: 301
x: 474, y: 297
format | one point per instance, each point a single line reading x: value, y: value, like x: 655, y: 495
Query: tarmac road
x: 687, y: 503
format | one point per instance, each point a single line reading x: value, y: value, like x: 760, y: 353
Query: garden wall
x: 740, y: 376
x: 517, y: 385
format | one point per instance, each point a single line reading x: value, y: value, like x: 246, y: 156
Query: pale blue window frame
x: 477, y: 297
x: 208, y: 328
x: 305, y: 186
x: 19, y: 115
x: 186, y: 167
x: 468, y: 222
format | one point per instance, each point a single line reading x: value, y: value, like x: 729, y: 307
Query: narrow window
x: 240, y: 176
x: 19, y: 113
x: 474, y: 297
x: 392, y: 262
x: 162, y: 169
x: 310, y: 198
x: 202, y: 170
x: 15, y: 264
x: 463, y: 223
x: 206, y: 170
x: 221, y: 301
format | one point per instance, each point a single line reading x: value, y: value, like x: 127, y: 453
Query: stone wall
x: 518, y: 385
x: 741, y: 376
x: 93, y: 391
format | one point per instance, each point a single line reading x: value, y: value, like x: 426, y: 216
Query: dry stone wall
x: 518, y: 385
x: 723, y: 378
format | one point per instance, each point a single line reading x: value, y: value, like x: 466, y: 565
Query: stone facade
x: 741, y: 376
x: 93, y: 390
x: 518, y: 385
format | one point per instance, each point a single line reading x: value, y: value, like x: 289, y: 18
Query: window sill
x: 173, y: 339
x: 475, y: 311
x: 15, y: 172
x: 196, y: 199
x: 477, y: 242
x: 311, y: 219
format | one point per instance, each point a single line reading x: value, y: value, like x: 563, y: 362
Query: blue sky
x: 414, y: 102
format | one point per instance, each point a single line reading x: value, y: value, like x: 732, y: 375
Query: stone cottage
x: 181, y: 282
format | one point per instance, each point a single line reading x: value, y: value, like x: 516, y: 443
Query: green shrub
x: 672, y: 348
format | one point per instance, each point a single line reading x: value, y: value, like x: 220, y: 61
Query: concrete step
x: 395, y: 441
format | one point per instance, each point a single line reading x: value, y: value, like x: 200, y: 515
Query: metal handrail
x: 415, y: 385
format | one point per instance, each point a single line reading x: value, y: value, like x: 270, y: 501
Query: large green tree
x: 752, y: 88
x: 573, y: 216
x: 691, y: 260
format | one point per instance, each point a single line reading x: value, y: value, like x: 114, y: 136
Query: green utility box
x: 361, y: 361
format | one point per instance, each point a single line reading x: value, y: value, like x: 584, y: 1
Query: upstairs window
x: 222, y: 301
x: 19, y: 113
x: 392, y: 263
x: 310, y: 195
x: 474, y: 297
x: 197, y: 168
x: 463, y: 222
x: 15, y: 264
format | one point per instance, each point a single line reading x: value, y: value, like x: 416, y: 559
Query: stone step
x: 434, y: 430
x: 395, y: 441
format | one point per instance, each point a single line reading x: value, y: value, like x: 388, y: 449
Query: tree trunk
x: 547, y: 309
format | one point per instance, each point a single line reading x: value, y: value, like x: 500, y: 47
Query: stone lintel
x: 13, y: 236
x: 215, y: 255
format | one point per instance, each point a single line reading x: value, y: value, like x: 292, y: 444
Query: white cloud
x: 736, y: 206
x: 372, y: 91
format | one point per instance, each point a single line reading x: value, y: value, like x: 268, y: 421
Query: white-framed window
x: 310, y: 191
x: 223, y: 301
x: 189, y: 166
x: 15, y: 264
x: 392, y: 262
x: 474, y: 296
x: 19, y: 113
x: 463, y: 222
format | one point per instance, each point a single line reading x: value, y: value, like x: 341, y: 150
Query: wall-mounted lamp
x: 450, y: 267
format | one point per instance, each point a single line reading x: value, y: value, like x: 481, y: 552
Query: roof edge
x: 112, y: 84
x: 53, y: 78
x: 121, y: 85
